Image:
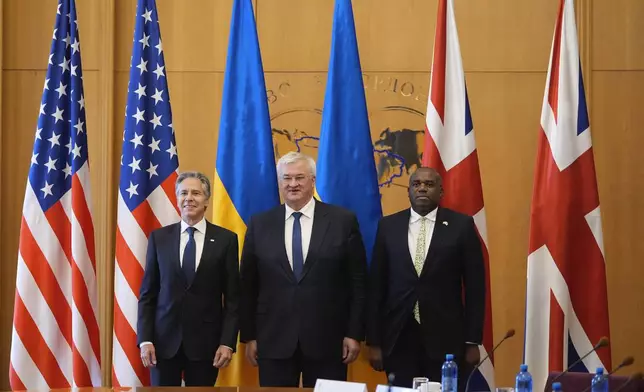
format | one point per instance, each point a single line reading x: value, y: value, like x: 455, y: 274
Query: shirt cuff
x: 144, y: 344
x: 223, y: 345
x: 472, y: 343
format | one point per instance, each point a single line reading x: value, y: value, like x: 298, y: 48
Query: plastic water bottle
x: 449, y: 375
x: 600, y: 382
x: 523, y: 382
x: 556, y: 387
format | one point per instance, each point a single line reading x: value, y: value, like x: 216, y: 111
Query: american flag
x: 146, y: 198
x: 450, y: 147
x: 55, y: 336
x: 567, y: 304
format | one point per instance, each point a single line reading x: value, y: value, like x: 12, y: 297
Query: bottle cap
x: 449, y: 357
x: 556, y: 386
x: 524, y: 368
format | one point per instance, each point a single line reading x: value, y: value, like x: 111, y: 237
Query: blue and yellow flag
x: 346, y: 173
x: 245, y: 180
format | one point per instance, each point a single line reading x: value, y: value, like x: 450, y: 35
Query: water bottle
x: 449, y: 375
x: 523, y: 382
x: 556, y: 387
x: 600, y: 382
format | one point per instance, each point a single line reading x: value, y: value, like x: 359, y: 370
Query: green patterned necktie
x: 419, y: 259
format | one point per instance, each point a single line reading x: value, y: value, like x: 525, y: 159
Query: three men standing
x: 303, y: 291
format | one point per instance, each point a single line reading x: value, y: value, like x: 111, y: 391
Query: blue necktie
x: 298, y: 255
x: 190, y: 256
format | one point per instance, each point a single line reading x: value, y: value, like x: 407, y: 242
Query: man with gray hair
x: 303, y: 274
x: 188, y: 303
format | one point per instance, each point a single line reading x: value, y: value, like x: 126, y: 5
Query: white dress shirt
x: 200, y: 236
x: 414, y: 230
x: 306, y: 224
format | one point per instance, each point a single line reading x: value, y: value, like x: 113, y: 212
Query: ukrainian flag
x: 245, y: 180
x: 346, y: 173
x: 346, y: 169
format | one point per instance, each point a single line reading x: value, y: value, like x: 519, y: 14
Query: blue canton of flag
x: 60, y: 147
x: 149, y: 152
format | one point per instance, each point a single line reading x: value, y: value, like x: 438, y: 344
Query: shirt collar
x: 307, y: 210
x: 200, y: 226
x: 416, y: 216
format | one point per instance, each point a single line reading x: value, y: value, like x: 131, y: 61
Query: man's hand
x: 222, y: 357
x: 375, y: 358
x: 148, y: 355
x: 251, y: 352
x: 350, y: 350
x: 472, y: 354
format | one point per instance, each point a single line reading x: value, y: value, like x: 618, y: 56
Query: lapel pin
x: 445, y: 223
x: 212, y: 240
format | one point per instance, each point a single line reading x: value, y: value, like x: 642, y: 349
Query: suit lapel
x: 440, y: 231
x: 402, y: 237
x: 209, y: 244
x: 174, y: 245
x: 320, y: 226
x: 279, y: 238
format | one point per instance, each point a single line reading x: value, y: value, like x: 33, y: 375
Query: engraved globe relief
x: 396, y: 117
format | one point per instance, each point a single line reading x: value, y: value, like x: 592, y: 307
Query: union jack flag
x: 146, y: 198
x: 55, y: 337
x: 567, y: 306
x: 450, y: 148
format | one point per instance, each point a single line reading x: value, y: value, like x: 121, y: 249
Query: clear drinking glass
x: 418, y: 381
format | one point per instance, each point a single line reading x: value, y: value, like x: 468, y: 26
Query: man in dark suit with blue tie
x: 303, y: 273
x: 426, y: 287
x: 188, y: 303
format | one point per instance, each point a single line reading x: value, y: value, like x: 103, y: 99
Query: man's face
x: 425, y: 189
x: 191, y: 199
x: 297, y: 183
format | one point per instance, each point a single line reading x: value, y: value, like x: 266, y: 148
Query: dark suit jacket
x: 450, y: 289
x: 171, y: 314
x: 325, y: 306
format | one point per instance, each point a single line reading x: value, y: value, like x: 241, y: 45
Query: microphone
x: 390, y: 381
x: 603, y: 342
x: 628, y: 361
x: 635, y: 377
x: 507, y: 336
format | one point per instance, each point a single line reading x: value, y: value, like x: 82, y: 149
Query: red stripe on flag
x: 556, y: 338
x: 146, y: 218
x: 14, y: 380
x: 84, y: 218
x: 84, y: 306
x: 42, y: 273
x: 553, y: 89
x: 128, y: 263
x: 61, y: 227
x: 437, y: 95
x: 82, y: 377
x: 168, y: 187
x: 127, y: 338
x: 36, y: 346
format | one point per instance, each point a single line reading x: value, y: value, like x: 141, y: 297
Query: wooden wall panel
x: 616, y: 127
x: 617, y: 35
x: 29, y: 26
x: 505, y: 112
x: 195, y: 37
x: 505, y: 46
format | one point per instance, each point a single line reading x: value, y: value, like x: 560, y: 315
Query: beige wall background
x: 505, y: 46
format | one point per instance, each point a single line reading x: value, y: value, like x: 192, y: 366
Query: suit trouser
x: 409, y: 359
x: 168, y: 372
x: 286, y: 372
